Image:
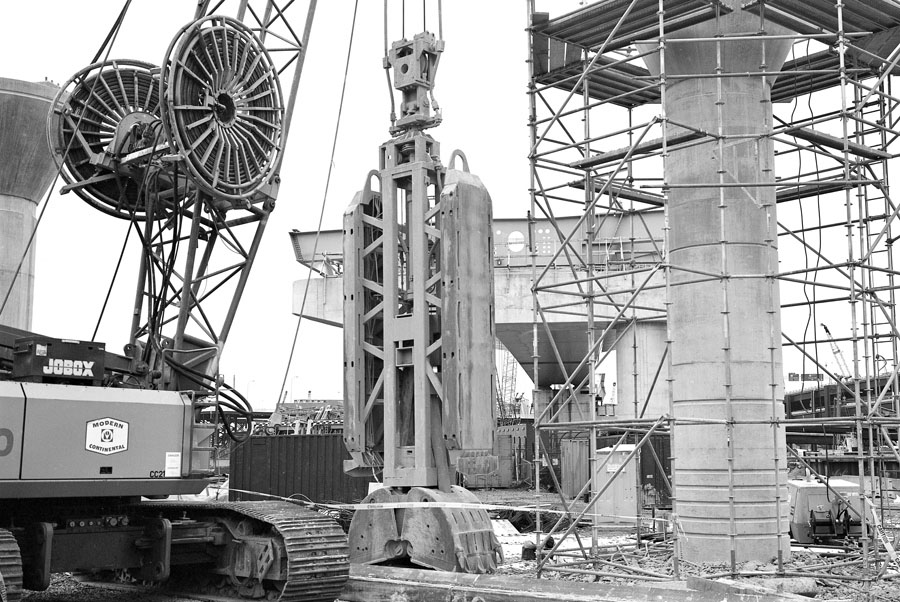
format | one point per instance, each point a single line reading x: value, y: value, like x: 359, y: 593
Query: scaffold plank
x: 629, y: 85
x: 589, y: 27
x: 624, y: 84
x: 819, y: 188
x: 623, y: 191
x: 806, y: 74
x: 636, y: 151
x: 821, y: 16
x: 827, y: 140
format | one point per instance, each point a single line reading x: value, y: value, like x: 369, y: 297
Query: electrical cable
x: 795, y: 103
x: 810, y: 295
x: 237, y: 403
x: 337, y: 128
x: 815, y: 274
x: 131, y: 223
x: 114, y: 31
x: 387, y: 69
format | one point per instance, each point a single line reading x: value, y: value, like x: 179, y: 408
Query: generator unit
x: 821, y: 513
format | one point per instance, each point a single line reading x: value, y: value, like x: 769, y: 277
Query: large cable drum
x: 104, y: 112
x: 222, y: 107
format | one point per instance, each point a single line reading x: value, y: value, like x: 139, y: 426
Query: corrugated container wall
x: 294, y: 465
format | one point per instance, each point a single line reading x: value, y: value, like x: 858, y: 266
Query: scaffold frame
x: 834, y: 132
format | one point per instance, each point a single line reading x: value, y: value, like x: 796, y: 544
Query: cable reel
x: 102, y: 127
x: 222, y: 108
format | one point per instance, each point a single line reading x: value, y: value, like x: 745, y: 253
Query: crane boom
x: 189, y: 155
x: 838, y: 355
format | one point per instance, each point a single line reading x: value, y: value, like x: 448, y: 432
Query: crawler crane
x: 189, y: 155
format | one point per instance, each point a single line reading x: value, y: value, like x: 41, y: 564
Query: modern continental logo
x: 106, y: 436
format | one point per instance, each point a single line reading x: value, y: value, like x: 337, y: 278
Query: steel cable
x: 108, y: 43
x: 132, y: 223
x: 337, y: 128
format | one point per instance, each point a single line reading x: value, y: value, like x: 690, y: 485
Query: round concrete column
x: 26, y: 171
x: 726, y: 333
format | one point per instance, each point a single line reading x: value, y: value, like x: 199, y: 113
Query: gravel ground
x: 658, y: 558
x: 65, y: 588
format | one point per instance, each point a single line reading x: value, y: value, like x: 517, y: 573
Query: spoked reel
x: 192, y: 150
x: 211, y: 119
x: 222, y: 108
x: 102, y: 127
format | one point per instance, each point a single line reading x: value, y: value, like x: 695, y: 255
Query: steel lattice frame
x: 190, y: 154
x: 231, y: 135
x: 599, y: 150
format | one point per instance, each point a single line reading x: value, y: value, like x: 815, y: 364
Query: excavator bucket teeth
x: 373, y: 535
x: 449, y: 538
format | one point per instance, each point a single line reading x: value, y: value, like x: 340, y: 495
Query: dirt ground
x: 65, y: 588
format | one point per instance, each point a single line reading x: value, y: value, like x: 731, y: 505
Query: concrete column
x: 635, y: 372
x: 726, y: 333
x: 26, y: 171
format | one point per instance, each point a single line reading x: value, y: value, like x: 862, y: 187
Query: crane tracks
x: 10, y: 568
x: 316, y: 546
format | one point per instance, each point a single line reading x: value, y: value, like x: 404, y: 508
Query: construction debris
x: 392, y: 584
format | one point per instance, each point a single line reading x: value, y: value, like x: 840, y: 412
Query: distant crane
x: 506, y: 383
x: 838, y: 356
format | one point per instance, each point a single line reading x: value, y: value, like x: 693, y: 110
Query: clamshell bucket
x: 437, y: 533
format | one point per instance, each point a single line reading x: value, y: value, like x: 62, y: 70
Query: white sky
x: 481, y: 85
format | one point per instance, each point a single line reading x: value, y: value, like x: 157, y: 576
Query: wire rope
x: 113, y: 32
x: 108, y: 44
x: 337, y: 128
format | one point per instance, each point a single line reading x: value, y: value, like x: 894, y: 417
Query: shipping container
x: 302, y: 466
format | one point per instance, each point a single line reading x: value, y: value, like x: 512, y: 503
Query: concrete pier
x: 730, y: 472
x: 26, y: 171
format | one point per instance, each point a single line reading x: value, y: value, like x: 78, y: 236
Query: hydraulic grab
x: 418, y: 338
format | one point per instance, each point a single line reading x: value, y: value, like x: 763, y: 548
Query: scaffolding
x: 600, y: 139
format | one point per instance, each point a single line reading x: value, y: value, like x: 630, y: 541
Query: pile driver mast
x: 419, y: 329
